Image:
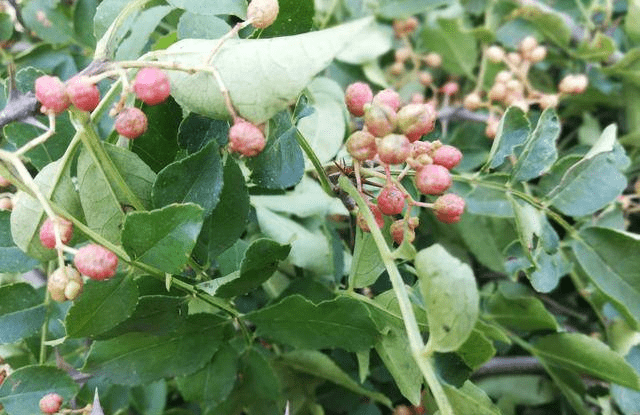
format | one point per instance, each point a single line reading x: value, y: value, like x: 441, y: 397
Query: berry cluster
x: 391, y: 135
x: 151, y: 86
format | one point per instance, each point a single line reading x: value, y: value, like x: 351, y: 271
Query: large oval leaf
x: 21, y: 312
x: 263, y: 76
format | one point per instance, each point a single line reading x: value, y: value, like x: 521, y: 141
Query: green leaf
x: 21, y: 312
x: 513, y: 307
x: 83, y: 12
x: 401, y: 9
x: 294, y: 17
x: 194, y: 179
x: 27, y: 215
x: 281, y: 163
x: 551, y: 25
x: 592, y: 182
x: 325, y: 128
x: 6, y: 28
x: 320, y: 365
x: 476, y: 350
x: 49, y: 20
x: 529, y: 222
x: 263, y: 76
x: 158, y: 146
x: 627, y: 68
x: 571, y: 386
x: 260, y: 261
x: 609, y: 258
x: 206, y: 8
x: 539, y: 151
x: 137, y: 358
x: 450, y: 295
x: 628, y: 400
x: 12, y: 259
x: 599, y: 48
x: 457, y: 46
x: 150, y: 399
x: 368, y: 45
x: 258, y: 378
x: 586, y: 355
x: 342, y: 322
x: 20, y: 134
x: 484, y: 199
x: 366, y: 265
x: 470, y: 399
x: 524, y: 389
x: 102, y: 305
x: 230, y: 216
x: 630, y: 27
x: 200, y: 26
x: 21, y: 392
x: 513, y: 131
x: 163, y: 238
x: 213, y: 383
x: 488, y: 250
x: 196, y: 131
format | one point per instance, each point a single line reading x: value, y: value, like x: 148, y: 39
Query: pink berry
x: 47, y: 235
x: 151, y: 86
x: 450, y: 88
x: 83, y: 94
x: 52, y: 94
x: 96, y: 262
x: 377, y: 214
x: 447, y: 156
x: 394, y: 149
x: 262, y: 13
x: 246, y: 139
x: 50, y: 403
x: 380, y: 120
x: 356, y: 95
x: 65, y: 283
x: 131, y: 123
x: 433, y: 179
x: 448, y: 208
x: 388, y: 97
x: 391, y: 200
x: 416, y: 120
x: 362, y: 145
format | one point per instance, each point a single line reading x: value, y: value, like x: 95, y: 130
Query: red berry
x: 96, y: 262
x: 50, y: 403
x: 131, y: 123
x: 394, y: 149
x: 391, y: 200
x: 448, y: 208
x: 380, y: 120
x: 262, y: 13
x: 362, y: 145
x: 433, y: 179
x: 151, y: 86
x: 52, y: 94
x: 450, y: 88
x: 362, y: 223
x: 83, y: 94
x: 356, y: 95
x: 447, y: 156
x: 388, y: 97
x: 416, y: 120
x: 47, y: 235
x: 65, y: 283
x: 246, y: 139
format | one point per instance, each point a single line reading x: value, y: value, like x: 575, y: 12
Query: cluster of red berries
x: 391, y: 136
x: 151, y: 86
x: 94, y: 261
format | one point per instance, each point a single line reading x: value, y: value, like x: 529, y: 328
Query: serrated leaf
x: 194, y: 179
x: 12, y: 259
x: 584, y: 354
x: 159, y: 145
x: 260, y: 261
x: 22, y: 312
x: 539, y: 151
x: 342, y: 322
x: 263, y: 76
x: 609, y: 258
x: 200, y: 26
x: 470, y: 399
x: 450, y: 295
x: 281, y: 163
x: 196, y: 131
x: 512, y: 307
x: 318, y: 364
x: 592, y: 182
x: 476, y: 350
x: 294, y: 17
x: 513, y: 131
x: 27, y: 214
x: 21, y: 392
x: 163, y: 238
x: 137, y: 358
x: 102, y: 305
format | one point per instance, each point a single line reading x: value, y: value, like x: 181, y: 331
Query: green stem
x: 103, y: 162
x: 409, y: 319
x: 322, y: 174
x: 45, y: 325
